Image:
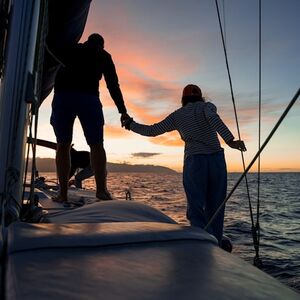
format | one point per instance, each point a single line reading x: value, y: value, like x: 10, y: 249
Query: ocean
x: 279, y: 214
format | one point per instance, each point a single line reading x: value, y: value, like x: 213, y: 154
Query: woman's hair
x: 191, y: 99
x: 191, y: 93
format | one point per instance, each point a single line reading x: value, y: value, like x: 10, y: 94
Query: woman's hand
x: 237, y: 145
x: 124, y: 118
x: 127, y: 123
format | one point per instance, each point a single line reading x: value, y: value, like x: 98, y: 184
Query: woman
x: 204, y: 171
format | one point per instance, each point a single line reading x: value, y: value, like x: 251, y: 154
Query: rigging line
x: 27, y: 160
x: 19, y: 103
x: 54, y: 56
x: 33, y: 112
x: 292, y: 102
x: 238, y: 129
x: 33, y: 166
x: 227, y: 67
x: 224, y: 22
x: 32, y: 146
x: 257, y: 226
x: 42, y: 33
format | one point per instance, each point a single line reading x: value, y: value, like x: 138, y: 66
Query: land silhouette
x: 48, y: 165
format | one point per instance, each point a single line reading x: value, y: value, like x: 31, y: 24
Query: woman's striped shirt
x: 197, y: 123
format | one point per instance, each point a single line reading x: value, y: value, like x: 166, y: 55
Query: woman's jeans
x: 205, y: 184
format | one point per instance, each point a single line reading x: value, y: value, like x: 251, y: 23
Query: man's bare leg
x: 98, y: 162
x: 63, y: 166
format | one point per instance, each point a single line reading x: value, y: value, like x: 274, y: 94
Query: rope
x: 54, y: 56
x: 13, y: 176
x: 257, y: 261
x: 224, y: 22
x: 27, y: 159
x: 292, y: 102
x: 254, y: 237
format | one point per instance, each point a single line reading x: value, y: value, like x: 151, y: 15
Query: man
x: 76, y: 94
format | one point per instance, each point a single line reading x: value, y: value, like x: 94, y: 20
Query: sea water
x: 279, y: 214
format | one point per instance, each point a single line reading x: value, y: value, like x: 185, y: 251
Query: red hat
x: 191, y: 90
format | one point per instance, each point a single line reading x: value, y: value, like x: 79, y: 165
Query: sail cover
x: 66, y: 22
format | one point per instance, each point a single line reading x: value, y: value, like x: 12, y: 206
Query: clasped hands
x: 126, y: 120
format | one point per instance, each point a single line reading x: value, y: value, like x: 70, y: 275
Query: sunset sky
x: 159, y: 46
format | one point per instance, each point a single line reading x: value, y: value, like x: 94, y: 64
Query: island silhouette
x: 48, y: 165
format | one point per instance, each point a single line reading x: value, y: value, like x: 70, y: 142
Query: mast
x: 28, y: 78
x: 16, y: 90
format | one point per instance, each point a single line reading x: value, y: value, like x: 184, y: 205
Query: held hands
x: 237, y: 145
x: 124, y: 118
x: 126, y: 121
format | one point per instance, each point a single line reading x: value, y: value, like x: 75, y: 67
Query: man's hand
x: 127, y: 123
x: 237, y: 145
x: 124, y: 118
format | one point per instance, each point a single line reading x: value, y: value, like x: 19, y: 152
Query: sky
x: 159, y: 46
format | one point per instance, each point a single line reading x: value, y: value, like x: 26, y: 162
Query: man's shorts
x: 66, y: 106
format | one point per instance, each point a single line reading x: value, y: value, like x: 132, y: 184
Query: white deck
x: 126, y: 250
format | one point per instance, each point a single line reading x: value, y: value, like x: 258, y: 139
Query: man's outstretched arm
x: 112, y: 83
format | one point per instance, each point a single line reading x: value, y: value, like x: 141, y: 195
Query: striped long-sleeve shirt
x: 197, y: 123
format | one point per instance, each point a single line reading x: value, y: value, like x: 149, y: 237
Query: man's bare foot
x: 59, y: 199
x: 104, y: 195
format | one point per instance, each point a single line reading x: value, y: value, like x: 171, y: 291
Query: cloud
x: 132, y: 51
x: 144, y: 154
x: 168, y: 139
x: 144, y: 93
x: 171, y: 139
x: 149, y: 66
x: 115, y: 132
x: 247, y: 108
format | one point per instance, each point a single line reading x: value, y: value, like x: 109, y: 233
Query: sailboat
x: 104, y: 250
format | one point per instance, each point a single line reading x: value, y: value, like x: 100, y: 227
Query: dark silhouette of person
x: 204, y: 170
x: 76, y: 94
x: 81, y: 167
x: 80, y: 163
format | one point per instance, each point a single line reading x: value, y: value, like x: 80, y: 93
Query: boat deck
x: 124, y: 250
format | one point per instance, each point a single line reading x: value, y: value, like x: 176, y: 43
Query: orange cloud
x: 142, y: 60
x: 149, y: 73
x: 116, y: 132
x: 168, y: 139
